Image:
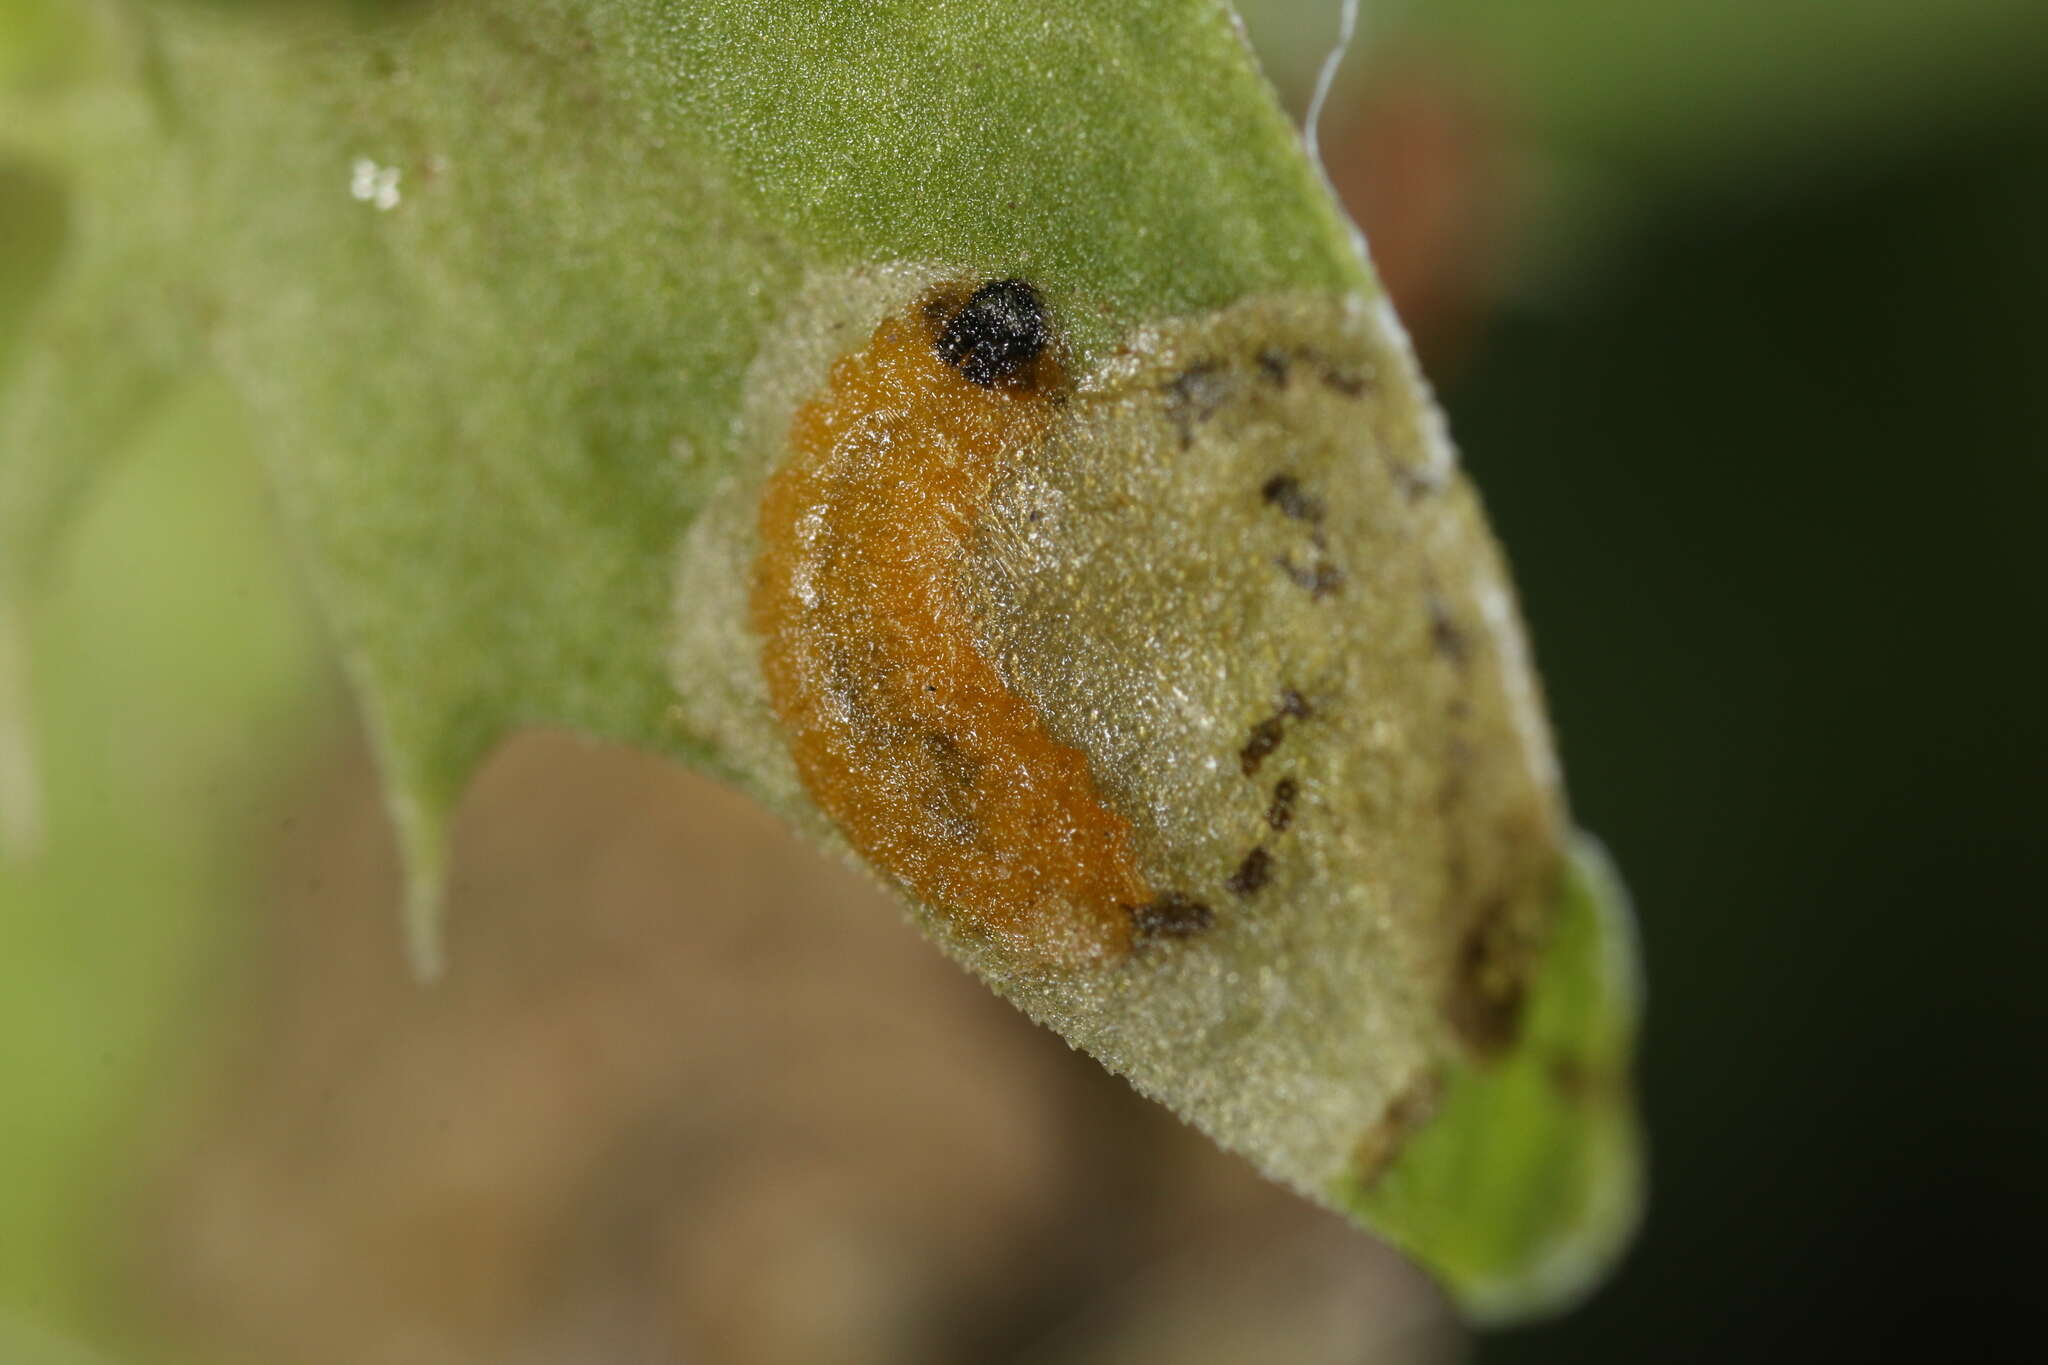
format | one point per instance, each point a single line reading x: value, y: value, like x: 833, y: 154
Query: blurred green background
x: 1737, y: 311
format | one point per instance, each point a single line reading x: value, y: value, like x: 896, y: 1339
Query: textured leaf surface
x: 513, y: 296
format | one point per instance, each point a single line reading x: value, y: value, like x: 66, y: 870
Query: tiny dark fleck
x: 1445, y: 635
x: 1347, y: 382
x: 1251, y: 874
x: 1292, y: 703
x: 1489, y: 980
x: 1280, y: 814
x: 1572, y: 1078
x: 1265, y: 738
x: 1193, y: 396
x: 1319, y: 581
x: 1173, y: 914
x: 1273, y: 365
x: 1383, y: 1141
x: 1285, y: 492
x: 1003, y: 327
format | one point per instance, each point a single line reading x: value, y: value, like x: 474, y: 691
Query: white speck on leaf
x: 373, y: 184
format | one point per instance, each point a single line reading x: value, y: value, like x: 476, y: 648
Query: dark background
x: 1738, y: 313
x: 1773, y: 489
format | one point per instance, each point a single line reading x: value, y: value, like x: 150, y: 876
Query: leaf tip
x: 422, y: 826
x: 1525, y: 1189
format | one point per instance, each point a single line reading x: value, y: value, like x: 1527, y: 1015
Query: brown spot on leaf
x: 1349, y: 382
x: 1572, y: 1078
x: 1280, y: 814
x: 1194, y: 395
x: 1254, y: 872
x: 1489, y: 980
x: 1285, y: 492
x: 1173, y: 914
x: 1406, y: 1112
x: 1318, y: 581
x: 1267, y: 734
x: 1265, y: 738
x: 1444, y: 634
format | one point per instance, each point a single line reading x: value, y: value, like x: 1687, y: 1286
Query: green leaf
x: 521, y: 304
x: 1529, y: 1182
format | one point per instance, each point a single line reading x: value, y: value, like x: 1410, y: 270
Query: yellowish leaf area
x: 1179, y: 690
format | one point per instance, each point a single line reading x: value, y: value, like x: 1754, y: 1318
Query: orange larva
x: 902, y: 728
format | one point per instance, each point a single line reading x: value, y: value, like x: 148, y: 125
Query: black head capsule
x: 1002, y: 327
